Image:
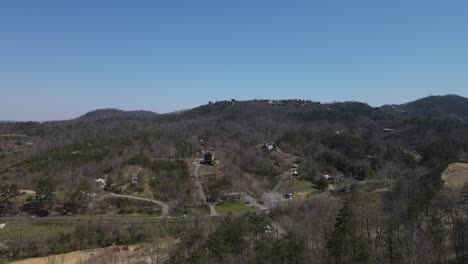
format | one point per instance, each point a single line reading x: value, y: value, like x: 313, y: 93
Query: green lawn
x: 131, y: 215
x: 35, y: 229
x: 12, y: 136
x: 199, y: 211
x: 194, y: 211
x: 233, y: 207
x: 345, y: 182
x: 299, y: 186
x: 207, y: 170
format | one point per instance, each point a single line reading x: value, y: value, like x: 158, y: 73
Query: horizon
x: 59, y: 60
x: 244, y: 100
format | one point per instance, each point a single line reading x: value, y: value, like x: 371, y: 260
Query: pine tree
x: 347, y: 243
x: 341, y: 242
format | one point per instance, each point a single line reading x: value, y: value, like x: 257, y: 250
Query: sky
x: 60, y: 59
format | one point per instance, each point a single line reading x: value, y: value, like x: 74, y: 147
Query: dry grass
x: 456, y: 175
x: 114, y: 254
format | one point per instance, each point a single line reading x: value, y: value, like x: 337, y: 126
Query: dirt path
x: 164, y: 206
x: 201, y: 193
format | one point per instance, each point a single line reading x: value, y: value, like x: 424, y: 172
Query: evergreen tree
x: 346, y: 244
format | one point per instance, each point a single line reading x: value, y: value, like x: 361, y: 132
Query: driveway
x: 201, y: 193
x: 164, y: 207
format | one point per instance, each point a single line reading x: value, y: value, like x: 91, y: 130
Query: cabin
x: 101, y: 182
x: 208, y: 158
x: 269, y: 146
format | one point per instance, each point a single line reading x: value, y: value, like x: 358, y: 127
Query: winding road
x: 164, y: 206
x: 201, y: 193
x: 269, y: 201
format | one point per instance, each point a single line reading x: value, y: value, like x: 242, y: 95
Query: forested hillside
x: 377, y: 196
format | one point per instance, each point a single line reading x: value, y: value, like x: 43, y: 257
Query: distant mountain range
x: 432, y: 106
x: 112, y: 113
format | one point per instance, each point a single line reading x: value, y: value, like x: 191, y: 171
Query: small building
x: 208, y: 158
x: 235, y: 196
x: 269, y: 146
x: 101, y: 181
x: 134, y: 180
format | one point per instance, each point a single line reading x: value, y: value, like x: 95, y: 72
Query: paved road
x: 284, y: 177
x: 270, y: 200
x: 81, y: 218
x: 201, y: 193
x: 279, y: 230
x: 95, y: 217
x: 164, y: 207
x: 253, y: 202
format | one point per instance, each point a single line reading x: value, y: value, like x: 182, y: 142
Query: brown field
x: 114, y: 254
x: 456, y: 175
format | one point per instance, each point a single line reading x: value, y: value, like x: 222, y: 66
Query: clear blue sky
x: 59, y: 59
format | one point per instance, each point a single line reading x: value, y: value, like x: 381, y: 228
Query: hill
x: 384, y: 164
x: 434, y: 106
x: 112, y: 113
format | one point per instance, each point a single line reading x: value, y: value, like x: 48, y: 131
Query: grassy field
x: 287, y: 160
x: 456, y: 175
x: 35, y: 229
x: 301, y: 186
x: 207, y: 170
x: 199, y: 211
x: 233, y: 207
x: 131, y: 215
x: 12, y: 136
x: 194, y: 211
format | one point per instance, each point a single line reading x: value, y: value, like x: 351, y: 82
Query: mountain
x: 439, y: 106
x: 112, y: 113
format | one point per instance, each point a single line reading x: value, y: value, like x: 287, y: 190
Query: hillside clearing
x: 298, y: 185
x: 114, y: 254
x: 233, y: 207
x: 456, y: 175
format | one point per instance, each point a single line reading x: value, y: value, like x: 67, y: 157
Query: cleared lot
x: 456, y: 175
